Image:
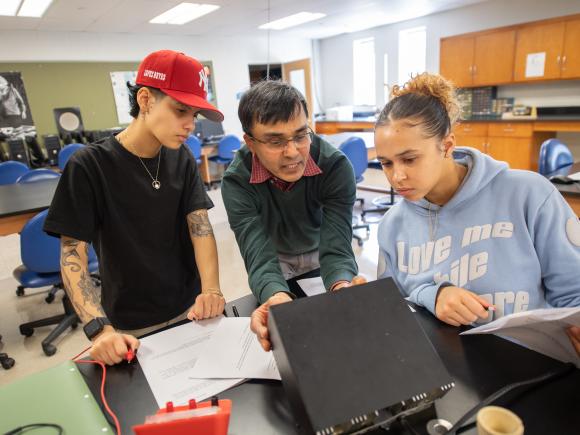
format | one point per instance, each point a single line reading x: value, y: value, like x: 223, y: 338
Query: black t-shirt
x: 146, y: 258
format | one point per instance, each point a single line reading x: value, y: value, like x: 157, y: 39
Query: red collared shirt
x: 260, y: 174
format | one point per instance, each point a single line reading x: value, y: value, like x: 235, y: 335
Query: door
x: 494, y: 58
x: 298, y: 74
x: 456, y: 60
x: 571, y: 53
x: 544, y: 40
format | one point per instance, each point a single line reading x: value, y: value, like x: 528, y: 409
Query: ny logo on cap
x: 203, y: 79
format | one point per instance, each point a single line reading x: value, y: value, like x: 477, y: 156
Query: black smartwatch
x: 95, y: 327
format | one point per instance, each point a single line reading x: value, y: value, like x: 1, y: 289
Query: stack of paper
x: 201, y: 359
x: 167, y: 357
x: 234, y: 352
x: 541, y: 330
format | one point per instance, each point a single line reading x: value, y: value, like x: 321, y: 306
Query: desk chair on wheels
x: 6, y: 362
x: 41, y: 267
x: 355, y: 150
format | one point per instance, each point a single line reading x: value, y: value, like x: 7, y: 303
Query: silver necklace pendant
x: 156, y: 184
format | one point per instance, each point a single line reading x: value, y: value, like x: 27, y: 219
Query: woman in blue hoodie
x: 472, y: 240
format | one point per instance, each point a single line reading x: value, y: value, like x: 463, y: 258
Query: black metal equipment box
x: 353, y: 358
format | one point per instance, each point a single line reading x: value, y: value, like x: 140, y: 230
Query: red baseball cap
x: 179, y: 76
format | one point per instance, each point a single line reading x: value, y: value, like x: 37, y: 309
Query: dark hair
x: 133, y: 89
x: 269, y: 102
x: 428, y: 100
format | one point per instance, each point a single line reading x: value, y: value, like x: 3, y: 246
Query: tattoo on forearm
x: 86, y: 297
x: 69, y: 255
x: 199, y: 225
x: 89, y: 291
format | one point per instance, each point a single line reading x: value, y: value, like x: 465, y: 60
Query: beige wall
x: 64, y: 84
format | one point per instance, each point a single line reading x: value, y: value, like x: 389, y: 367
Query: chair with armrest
x: 40, y: 268
x: 355, y: 150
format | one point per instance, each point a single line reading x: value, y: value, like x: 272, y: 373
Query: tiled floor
x: 16, y: 310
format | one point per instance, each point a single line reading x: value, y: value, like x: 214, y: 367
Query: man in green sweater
x: 289, y: 196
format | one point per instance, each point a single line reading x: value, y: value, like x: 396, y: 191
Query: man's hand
x: 259, y: 321
x: 457, y: 306
x: 574, y: 334
x: 110, y: 346
x: 355, y: 281
x: 207, y: 305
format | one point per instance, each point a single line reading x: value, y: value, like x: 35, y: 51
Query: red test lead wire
x: 103, y: 398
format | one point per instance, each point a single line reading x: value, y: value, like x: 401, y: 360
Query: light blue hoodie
x: 507, y: 235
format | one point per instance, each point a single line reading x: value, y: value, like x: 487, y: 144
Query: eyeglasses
x: 301, y: 140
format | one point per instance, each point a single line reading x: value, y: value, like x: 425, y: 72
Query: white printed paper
x: 167, y: 357
x: 312, y: 286
x: 234, y: 352
x: 535, y: 63
x: 541, y: 330
x: 575, y: 176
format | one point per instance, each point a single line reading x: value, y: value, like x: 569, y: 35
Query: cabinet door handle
x: 474, y: 69
x: 563, y: 60
x: 466, y: 129
x: 508, y: 130
x: 559, y: 60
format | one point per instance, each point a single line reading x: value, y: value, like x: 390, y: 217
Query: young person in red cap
x: 138, y: 198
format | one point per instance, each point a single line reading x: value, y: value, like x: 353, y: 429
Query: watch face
x: 93, y: 328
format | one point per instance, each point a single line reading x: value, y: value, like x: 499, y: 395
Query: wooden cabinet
x: 334, y: 127
x: 516, y: 151
x: 515, y: 143
x: 471, y: 135
x: 494, y: 58
x: 478, y: 61
x: 571, y: 53
x: 500, y: 56
x: 478, y: 142
x: 457, y: 60
x: 540, y: 38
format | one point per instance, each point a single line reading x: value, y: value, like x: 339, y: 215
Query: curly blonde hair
x: 428, y: 98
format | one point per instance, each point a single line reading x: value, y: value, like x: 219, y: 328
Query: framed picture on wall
x: 119, y: 81
x: 15, y: 115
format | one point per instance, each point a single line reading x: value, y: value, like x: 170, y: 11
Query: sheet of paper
x: 312, y: 286
x: 167, y: 357
x: 234, y: 352
x: 540, y: 330
x: 575, y: 176
x: 535, y: 63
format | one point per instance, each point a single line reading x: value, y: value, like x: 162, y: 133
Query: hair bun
x: 433, y: 85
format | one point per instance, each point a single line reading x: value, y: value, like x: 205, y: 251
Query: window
x: 363, y: 57
x: 412, y: 52
x: 386, y: 78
